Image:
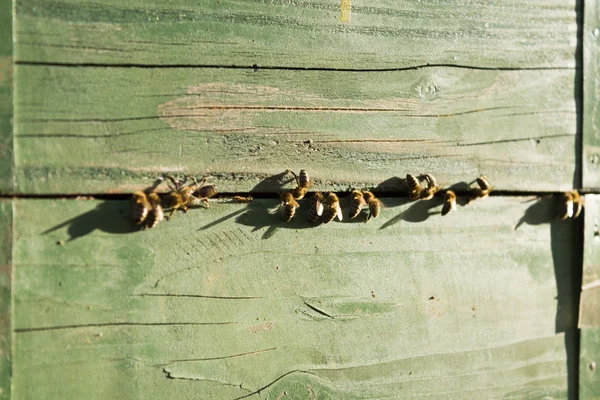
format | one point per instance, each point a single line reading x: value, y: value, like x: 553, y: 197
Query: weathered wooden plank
x: 591, y: 95
x: 6, y: 98
x: 347, y: 128
x: 229, y: 302
x: 589, y: 320
x: 6, y: 226
x: 311, y: 33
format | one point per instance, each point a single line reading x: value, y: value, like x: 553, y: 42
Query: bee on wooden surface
x: 432, y: 187
x: 203, y: 193
x: 155, y: 214
x: 484, y: 187
x: 243, y: 199
x: 449, y: 202
x: 374, y: 205
x: 357, y: 202
x: 181, y: 195
x: 571, y: 205
x: 333, y: 208
x: 316, y: 207
x: 289, y: 205
x: 414, y: 187
x: 141, y: 207
x: 303, y: 183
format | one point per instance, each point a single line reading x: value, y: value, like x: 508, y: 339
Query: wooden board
x: 6, y: 273
x: 589, y: 319
x: 591, y: 96
x: 229, y: 302
x: 6, y: 97
x: 111, y: 130
x: 356, y: 34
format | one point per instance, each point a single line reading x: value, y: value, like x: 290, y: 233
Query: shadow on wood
x: 567, y: 272
x: 110, y: 217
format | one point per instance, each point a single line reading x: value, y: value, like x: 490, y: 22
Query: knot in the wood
x: 427, y: 89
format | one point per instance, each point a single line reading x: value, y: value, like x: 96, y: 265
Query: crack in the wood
x: 258, y: 108
x: 516, y: 140
x: 199, y: 296
x: 188, y: 360
x: 108, y: 324
x: 77, y: 136
x: 275, y: 380
x: 315, y: 309
x: 170, y: 376
x: 256, y: 67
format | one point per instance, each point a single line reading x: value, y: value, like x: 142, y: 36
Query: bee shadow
x: 542, y: 211
x: 110, y: 216
x: 264, y: 214
x: 260, y: 214
x: 566, y: 242
x: 392, y: 185
x: 418, y: 212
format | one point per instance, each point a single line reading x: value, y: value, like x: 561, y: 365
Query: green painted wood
x: 310, y: 33
x: 591, y: 95
x: 6, y: 97
x: 229, y: 302
x: 6, y: 238
x: 589, y: 319
x: 93, y: 130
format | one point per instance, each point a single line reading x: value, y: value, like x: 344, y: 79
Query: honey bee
x: 141, y: 206
x: 333, y: 208
x: 181, y: 195
x: 374, y: 205
x: 243, y: 199
x: 155, y: 214
x: 414, y: 187
x: 484, y: 187
x: 289, y: 205
x: 304, y: 179
x: 357, y: 202
x: 316, y: 208
x: 303, y: 184
x: 202, y: 193
x: 432, y: 187
x: 571, y: 205
x: 449, y: 202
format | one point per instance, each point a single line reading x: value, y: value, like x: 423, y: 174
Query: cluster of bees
x: 148, y: 209
x: 327, y: 206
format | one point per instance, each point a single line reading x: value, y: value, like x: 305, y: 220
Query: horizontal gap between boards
x: 256, y: 67
x: 273, y: 195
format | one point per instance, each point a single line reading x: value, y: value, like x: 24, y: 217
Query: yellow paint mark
x: 346, y: 8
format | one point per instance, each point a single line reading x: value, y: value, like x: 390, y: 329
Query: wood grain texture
x: 591, y: 95
x: 589, y: 319
x: 6, y: 273
x: 6, y: 97
x: 378, y: 33
x: 129, y: 125
x: 229, y: 302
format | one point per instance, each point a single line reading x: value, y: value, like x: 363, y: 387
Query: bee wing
x: 319, y: 207
x: 338, y: 211
x: 578, y: 208
x: 570, y: 209
x: 294, y: 203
